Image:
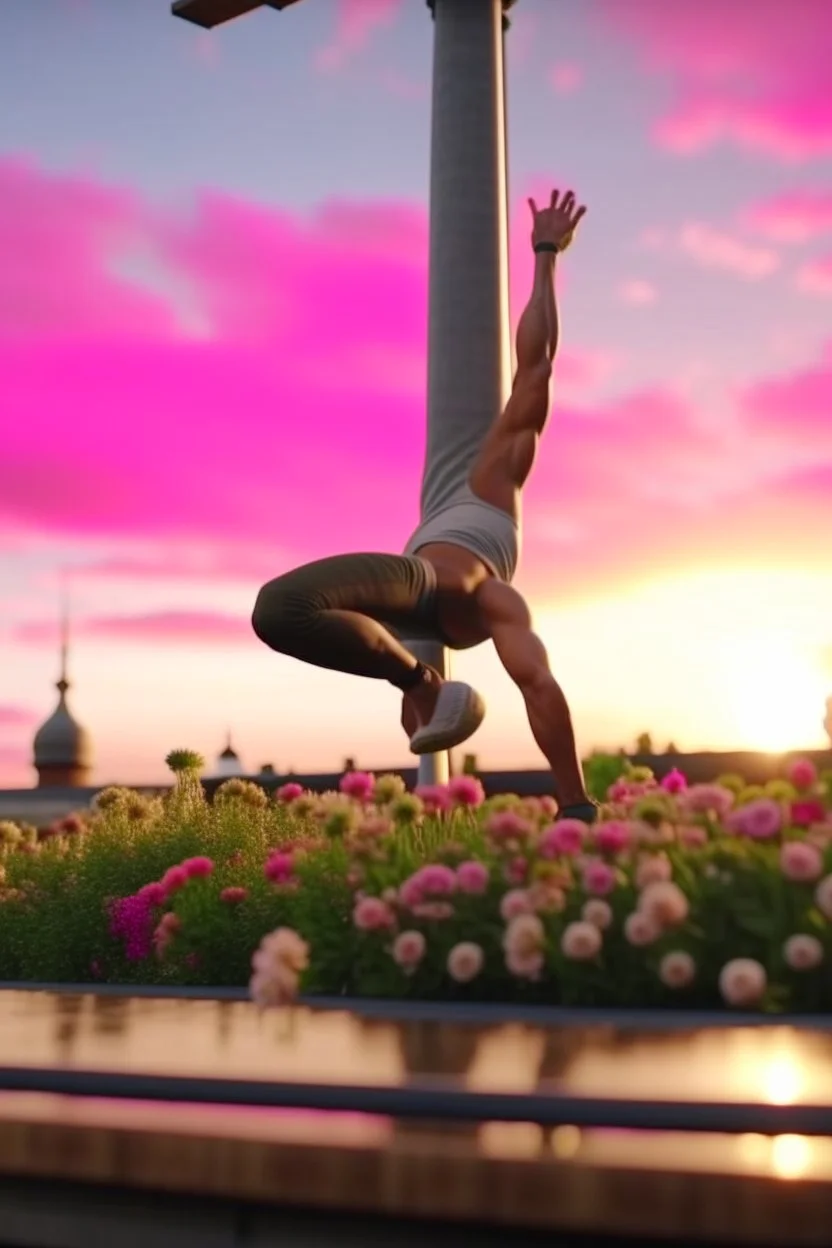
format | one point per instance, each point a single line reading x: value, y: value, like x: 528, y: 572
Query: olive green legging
x: 337, y: 613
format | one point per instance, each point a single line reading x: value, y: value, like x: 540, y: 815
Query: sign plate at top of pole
x: 210, y: 13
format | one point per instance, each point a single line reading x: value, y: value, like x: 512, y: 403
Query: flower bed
x: 700, y: 896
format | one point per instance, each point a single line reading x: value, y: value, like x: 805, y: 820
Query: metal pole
x: 469, y: 352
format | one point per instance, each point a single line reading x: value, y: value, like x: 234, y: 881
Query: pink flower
x: 233, y: 895
x: 800, y: 861
x: 131, y: 920
x: 515, y: 872
x: 618, y: 791
x: 515, y: 902
x: 408, y: 950
x: 653, y: 869
x: 707, y: 799
x: 546, y: 897
x: 275, y: 986
x: 289, y: 792
x: 674, y: 782
x: 524, y: 935
x: 548, y: 805
x: 437, y: 910
x: 804, y: 813
x: 433, y: 880
x: 466, y: 791
x: 597, y: 912
x: 564, y: 839
x: 742, y: 982
x: 524, y: 965
x: 472, y: 877
x: 173, y: 879
x: 279, y: 867
x: 823, y: 896
x: 803, y: 774
x: 581, y: 941
x: 599, y: 878
x: 664, y: 903
x: 167, y: 928
x: 283, y: 946
x: 358, y: 785
x: 465, y: 961
x: 803, y: 953
x: 71, y: 825
x: 197, y: 868
x: 153, y: 894
x: 692, y: 836
x: 434, y: 797
x: 371, y: 914
x: 613, y: 836
x: 640, y: 929
x: 677, y: 969
x: 507, y: 825
x: 760, y: 820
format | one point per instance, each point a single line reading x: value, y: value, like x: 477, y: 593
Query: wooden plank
x: 694, y: 1188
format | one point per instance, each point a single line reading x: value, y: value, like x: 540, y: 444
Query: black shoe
x: 586, y: 812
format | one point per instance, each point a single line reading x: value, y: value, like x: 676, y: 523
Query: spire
x: 229, y: 752
x: 63, y: 682
x: 62, y: 748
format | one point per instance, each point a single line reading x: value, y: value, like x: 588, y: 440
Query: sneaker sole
x: 434, y: 740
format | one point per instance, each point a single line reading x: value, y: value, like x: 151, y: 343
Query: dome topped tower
x: 62, y: 748
x: 228, y: 762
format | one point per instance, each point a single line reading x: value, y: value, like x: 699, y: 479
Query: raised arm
x: 537, y: 331
x: 516, y: 432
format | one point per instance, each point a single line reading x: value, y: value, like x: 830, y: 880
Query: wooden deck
x: 682, y: 1186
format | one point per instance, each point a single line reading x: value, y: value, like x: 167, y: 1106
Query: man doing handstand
x: 453, y: 583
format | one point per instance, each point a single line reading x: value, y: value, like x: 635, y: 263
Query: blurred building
x: 228, y: 763
x: 63, y: 753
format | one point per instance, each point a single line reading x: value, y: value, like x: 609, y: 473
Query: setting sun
x: 773, y: 694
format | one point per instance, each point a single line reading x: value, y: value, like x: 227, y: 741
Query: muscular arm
x: 537, y: 332
x: 527, y: 410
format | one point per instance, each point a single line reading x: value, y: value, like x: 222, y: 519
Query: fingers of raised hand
x: 533, y: 207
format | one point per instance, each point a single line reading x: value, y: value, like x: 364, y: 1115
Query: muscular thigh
x: 500, y: 470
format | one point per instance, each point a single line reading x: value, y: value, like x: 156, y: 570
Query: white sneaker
x: 458, y: 714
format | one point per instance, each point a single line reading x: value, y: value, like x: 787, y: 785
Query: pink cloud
x: 714, y: 249
x: 170, y: 627
x: 798, y: 403
x: 356, y: 23
x: 794, y: 217
x: 815, y: 277
x: 581, y: 370
x: 566, y: 77
x: 212, y: 564
x: 12, y: 716
x: 637, y: 292
x: 754, y: 75
x: 280, y: 437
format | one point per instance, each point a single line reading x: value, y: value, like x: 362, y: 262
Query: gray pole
x: 469, y: 344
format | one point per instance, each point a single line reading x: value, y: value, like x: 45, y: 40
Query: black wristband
x: 553, y: 247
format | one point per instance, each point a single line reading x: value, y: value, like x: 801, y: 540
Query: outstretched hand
x: 557, y: 223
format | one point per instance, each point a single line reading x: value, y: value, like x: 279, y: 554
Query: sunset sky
x: 213, y: 267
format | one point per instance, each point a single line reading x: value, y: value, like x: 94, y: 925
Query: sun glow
x: 773, y: 693
x: 714, y: 659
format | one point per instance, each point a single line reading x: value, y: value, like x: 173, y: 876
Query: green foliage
x: 601, y: 771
